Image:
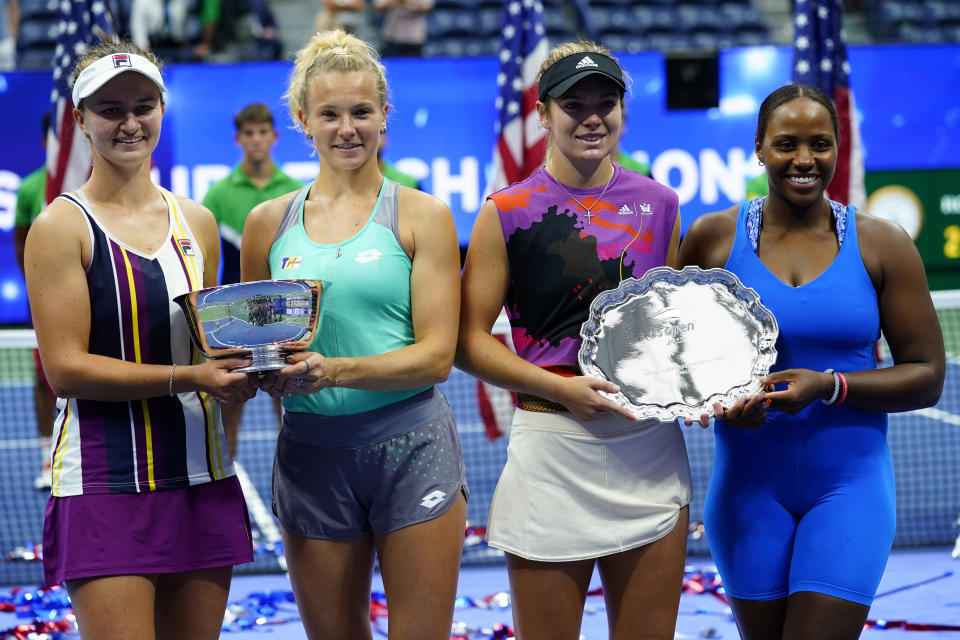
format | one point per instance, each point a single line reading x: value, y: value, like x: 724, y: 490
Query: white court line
x: 19, y: 443
x: 258, y: 434
x: 941, y: 415
x: 26, y: 443
x: 259, y: 512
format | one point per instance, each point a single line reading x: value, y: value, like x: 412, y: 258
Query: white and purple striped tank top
x: 155, y: 443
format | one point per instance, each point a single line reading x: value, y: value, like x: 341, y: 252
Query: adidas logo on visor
x: 586, y: 62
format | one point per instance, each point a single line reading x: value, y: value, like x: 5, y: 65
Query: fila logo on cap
x: 122, y: 60
x: 586, y: 62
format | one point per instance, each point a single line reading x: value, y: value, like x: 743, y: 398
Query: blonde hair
x: 110, y: 44
x: 581, y: 46
x: 331, y: 51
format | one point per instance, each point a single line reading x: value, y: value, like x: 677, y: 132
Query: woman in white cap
x: 146, y: 516
x: 584, y: 485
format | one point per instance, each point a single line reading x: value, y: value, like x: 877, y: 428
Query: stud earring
x: 759, y: 162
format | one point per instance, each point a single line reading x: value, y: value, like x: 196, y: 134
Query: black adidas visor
x: 570, y: 70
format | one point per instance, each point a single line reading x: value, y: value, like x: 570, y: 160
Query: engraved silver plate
x: 265, y: 320
x: 675, y: 342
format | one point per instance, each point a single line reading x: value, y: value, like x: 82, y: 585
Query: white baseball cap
x: 110, y: 66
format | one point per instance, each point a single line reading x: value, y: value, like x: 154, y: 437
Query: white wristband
x: 836, y: 387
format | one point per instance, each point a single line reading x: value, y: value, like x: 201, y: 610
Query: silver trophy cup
x: 265, y: 320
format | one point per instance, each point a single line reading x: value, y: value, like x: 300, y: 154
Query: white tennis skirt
x: 575, y: 490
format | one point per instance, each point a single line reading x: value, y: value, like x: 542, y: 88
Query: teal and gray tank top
x: 365, y: 304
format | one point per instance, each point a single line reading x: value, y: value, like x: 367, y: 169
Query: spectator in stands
x: 362, y: 413
x: 800, y: 512
x: 31, y: 199
x: 391, y: 172
x: 584, y: 485
x: 757, y: 187
x: 146, y: 517
x: 255, y: 180
x: 238, y: 29
x: 151, y: 20
x: 265, y: 31
x: 403, y: 26
x: 627, y: 161
x: 9, y: 25
x: 348, y: 15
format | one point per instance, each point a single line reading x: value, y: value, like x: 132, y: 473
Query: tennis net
x: 925, y: 445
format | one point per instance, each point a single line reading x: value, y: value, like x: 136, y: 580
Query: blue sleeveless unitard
x: 806, y: 502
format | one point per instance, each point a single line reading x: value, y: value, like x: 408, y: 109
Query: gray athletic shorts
x: 370, y: 473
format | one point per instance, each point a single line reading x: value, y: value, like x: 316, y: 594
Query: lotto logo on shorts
x: 432, y: 499
x: 290, y: 262
x: 121, y: 60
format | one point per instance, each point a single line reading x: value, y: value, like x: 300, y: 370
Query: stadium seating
x: 914, y: 20
x: 37, y: 36
x: 623, y: 25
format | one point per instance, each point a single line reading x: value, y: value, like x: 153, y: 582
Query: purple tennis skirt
x: 169, y: 531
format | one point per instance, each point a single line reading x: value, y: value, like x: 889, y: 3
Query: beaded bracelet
x: 843, y: 388
x: 170, y: 382
x: 836, y: 388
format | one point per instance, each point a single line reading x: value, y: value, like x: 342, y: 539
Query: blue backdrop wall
x: 441, y: 127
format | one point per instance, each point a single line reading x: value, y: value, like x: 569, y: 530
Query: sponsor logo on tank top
x: 290, y: 262
x: 185, y: 246
x: 432, y: 499
x: 644, y: 208
x: 368, y: 256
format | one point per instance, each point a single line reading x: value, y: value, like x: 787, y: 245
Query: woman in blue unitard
x: 800, y: 512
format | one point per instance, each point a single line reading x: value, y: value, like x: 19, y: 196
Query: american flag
x: 521, y: 141
x: 521, y: 146
x: 68, y: 153
x: 820, y: 59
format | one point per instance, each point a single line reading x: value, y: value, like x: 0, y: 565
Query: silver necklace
x: 586, y: 208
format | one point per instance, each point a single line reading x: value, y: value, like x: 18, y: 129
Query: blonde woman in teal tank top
x: 363, y: 419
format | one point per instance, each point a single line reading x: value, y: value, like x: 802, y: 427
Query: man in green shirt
x: 31, y: 199
x: 757, y: 187
x: 255, y: 180
x: 391, y: 172
x: 627, y: 161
